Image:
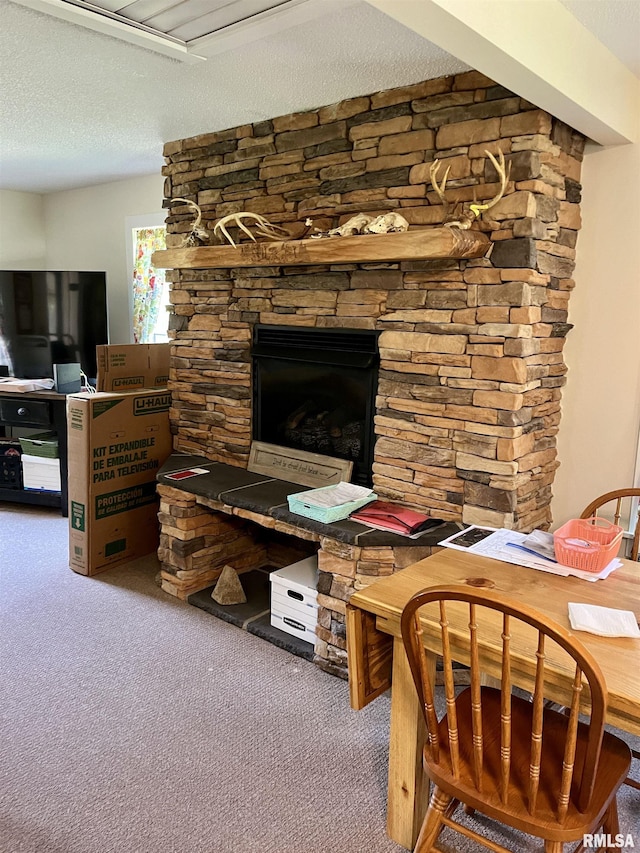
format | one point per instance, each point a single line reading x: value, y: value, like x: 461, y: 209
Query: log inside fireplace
x: 314, y: 390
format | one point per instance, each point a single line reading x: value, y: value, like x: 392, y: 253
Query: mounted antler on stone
x: 262, y: 227
x: 198, y: 235
x: 454, y: 217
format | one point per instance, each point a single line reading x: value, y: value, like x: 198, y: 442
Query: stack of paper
x: 25, y: 385
x: 522, y: 549
x: 332, y: 496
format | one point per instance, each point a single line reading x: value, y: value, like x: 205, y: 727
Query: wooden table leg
x: 408, y: 788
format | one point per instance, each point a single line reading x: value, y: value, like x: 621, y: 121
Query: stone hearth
x: 228, y: 515
x: 468, y: 402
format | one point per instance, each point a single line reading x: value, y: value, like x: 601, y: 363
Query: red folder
x: 394, y: 517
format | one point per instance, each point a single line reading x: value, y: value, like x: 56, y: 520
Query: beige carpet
x: 135, y: 723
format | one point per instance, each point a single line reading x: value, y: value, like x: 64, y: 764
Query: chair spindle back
x: 618, y: 497
x: 461, y: 639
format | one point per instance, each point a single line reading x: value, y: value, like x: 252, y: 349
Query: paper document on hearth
x: 604, y: 621
x: 332, y: 496
x: 510, y: 546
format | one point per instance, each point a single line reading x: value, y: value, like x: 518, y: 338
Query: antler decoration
x: 439, y: 188
x: 197, y: 235
x: 262, y: 227
x: 504, y: 175
x: 454, y: 218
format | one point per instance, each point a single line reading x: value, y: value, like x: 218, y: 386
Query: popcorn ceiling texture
x: 468, y: 401
x: 81, y: 108
x: 115, y: 104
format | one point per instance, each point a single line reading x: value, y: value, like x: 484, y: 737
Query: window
x: 150, y: 297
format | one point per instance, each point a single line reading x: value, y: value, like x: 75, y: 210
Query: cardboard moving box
x: 127, y: 367
x: 117, y: 443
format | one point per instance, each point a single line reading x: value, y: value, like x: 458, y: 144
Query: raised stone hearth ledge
x: 232, y: 516
x: 420, y: 244
x: 247, y: 495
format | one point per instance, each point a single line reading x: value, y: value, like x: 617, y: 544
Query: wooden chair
x: 617, y: 498
x: 529, y: 767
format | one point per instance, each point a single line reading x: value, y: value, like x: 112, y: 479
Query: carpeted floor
x: 135, y: 723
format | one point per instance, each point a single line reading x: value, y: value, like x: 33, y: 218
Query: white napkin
x: 604, y: 621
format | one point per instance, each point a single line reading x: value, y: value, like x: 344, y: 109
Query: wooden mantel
x: 419, y: 244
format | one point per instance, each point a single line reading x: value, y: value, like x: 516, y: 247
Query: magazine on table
x: 469, y: 539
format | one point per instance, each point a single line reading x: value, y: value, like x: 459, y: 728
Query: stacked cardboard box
x: 117, y: 443
x: 128, y: 367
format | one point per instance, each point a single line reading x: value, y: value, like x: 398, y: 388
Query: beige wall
x: 85, y: 229
x: 598, y: 436
x: 22, y: 237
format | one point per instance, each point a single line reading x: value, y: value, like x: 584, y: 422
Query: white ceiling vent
x: 189, y: 30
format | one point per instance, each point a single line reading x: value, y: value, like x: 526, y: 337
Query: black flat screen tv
x: 49, y: 318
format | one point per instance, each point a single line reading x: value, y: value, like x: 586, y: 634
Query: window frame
x: 131, y: 223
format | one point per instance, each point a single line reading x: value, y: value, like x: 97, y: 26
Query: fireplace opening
x: 314, y: 390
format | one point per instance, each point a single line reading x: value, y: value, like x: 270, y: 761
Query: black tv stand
x: 43, y: 410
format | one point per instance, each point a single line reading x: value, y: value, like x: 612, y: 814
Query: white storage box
x: 294, y: 599
x: 292, y: 625
x: 41, y: 473
x: 301, y: 578
x: 290, y: 598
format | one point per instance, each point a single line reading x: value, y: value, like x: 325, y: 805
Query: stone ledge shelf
x: 230, y: 515
x: 236, y: 491
x: 419, y: 244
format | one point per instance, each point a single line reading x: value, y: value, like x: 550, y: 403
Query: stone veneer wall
x: 471, y: 351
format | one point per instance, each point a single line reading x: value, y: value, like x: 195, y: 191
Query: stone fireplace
x: 315, y: 389
x: 467, y: 404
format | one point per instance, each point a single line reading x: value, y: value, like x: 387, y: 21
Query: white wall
x: 85, y: 230
x: 22, y: 236
x: 598, y: 436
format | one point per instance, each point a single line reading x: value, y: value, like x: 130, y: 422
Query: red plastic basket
x: 588, y: 544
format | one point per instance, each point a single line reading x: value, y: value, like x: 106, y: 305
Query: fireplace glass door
x: 314, y: 389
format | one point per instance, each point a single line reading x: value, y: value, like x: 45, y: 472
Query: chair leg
x: 438, y: 805
x: 553, y: 846
x: 633, y: 783
x: 610, y: 823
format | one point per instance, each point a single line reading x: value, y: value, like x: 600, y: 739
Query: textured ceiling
x: 80, y: 107
x: 616, y: 23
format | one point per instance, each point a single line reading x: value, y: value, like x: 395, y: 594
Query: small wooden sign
x: 297, y: 466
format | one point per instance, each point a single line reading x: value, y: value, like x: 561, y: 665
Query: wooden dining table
x: 377, y: 660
